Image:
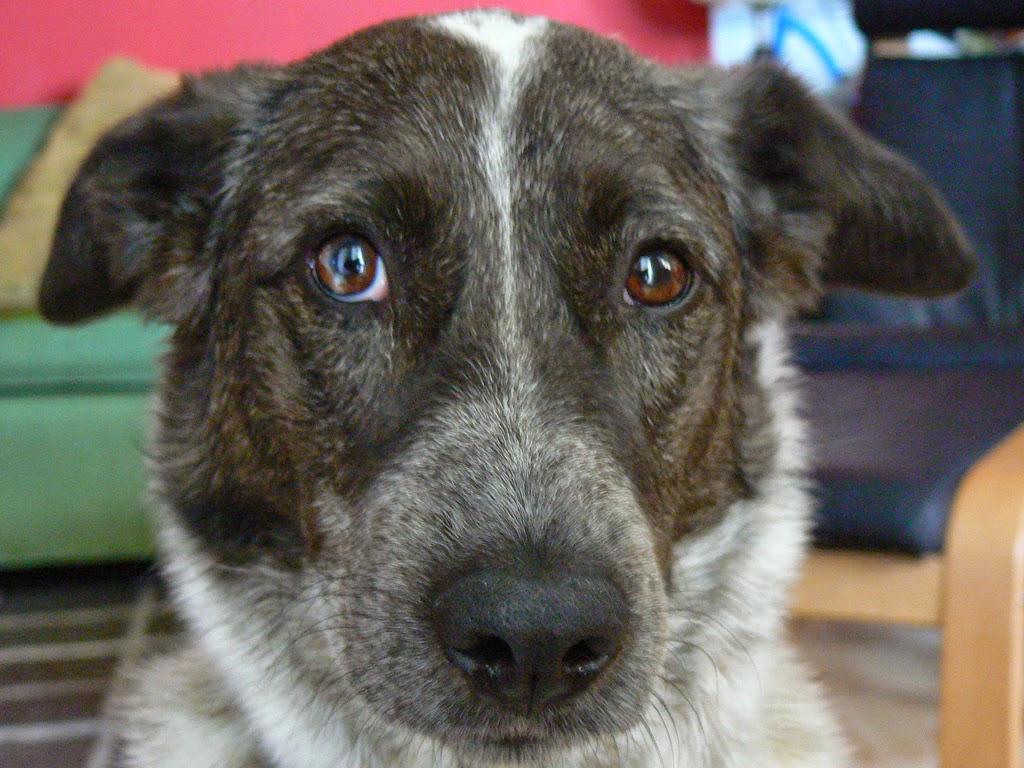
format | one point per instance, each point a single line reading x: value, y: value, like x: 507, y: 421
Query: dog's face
x: 465, y: 363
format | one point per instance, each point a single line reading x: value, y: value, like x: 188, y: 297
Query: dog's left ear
x: 823, y: 203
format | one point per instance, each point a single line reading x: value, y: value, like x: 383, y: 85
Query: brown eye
x: 349, y: 269
x: 658, y: 278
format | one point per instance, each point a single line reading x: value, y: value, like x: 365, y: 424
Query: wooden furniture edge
x: 983, y: 614
x: 869, y: 587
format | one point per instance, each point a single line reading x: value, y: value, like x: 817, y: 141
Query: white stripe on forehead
x: 505, y: 41
x: 497, y: 33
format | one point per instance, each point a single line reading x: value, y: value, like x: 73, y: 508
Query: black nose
x: 529, y: 641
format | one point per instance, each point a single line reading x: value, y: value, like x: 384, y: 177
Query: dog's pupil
x: 654, y: 269
x: 352, y: 260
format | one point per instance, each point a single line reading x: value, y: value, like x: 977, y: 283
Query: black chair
x: 916, y: 407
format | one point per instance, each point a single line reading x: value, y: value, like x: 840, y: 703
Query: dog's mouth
x: 496, y: 736
x: 512, y: 747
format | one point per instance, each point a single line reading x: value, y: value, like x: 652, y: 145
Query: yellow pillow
x: 119, y: 89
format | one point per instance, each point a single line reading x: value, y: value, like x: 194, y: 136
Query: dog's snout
x: 531, y: 640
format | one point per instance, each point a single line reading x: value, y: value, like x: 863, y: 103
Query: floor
x: 65, y: 634
x: 63, y: 637
x: 884, y: 685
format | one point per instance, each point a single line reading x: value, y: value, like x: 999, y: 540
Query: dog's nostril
x: 588, y: 657
x: 489, y: 654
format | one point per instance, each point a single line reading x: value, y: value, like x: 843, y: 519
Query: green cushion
x: 116, y: 354
x: 72, y: 483
x: 73, y: 405
x: 22, y: 132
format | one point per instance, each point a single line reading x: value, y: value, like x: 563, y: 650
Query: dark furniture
x: 915, y: 407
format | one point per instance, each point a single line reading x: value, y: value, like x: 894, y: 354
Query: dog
x: 476, y: 442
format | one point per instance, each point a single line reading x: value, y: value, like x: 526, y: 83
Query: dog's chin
x: 528, y: 747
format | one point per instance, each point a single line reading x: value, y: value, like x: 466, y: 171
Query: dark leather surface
x: 890, y: 448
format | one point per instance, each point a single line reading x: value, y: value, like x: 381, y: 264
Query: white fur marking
x: 506, y: 41
x: 294, y: 726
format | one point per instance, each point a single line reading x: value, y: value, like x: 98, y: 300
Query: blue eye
x: 349, y: 269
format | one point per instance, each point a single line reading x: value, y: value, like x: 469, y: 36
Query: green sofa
x: 73, y: 405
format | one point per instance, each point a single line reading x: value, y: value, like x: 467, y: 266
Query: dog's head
x: 467, y: 361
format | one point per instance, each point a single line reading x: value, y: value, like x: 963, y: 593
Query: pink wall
x: 51, y: 47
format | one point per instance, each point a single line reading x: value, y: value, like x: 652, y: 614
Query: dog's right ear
x: 135, y: 220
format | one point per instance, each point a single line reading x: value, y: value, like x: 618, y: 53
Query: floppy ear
x: 823, y: 203
x: 136, y: 219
